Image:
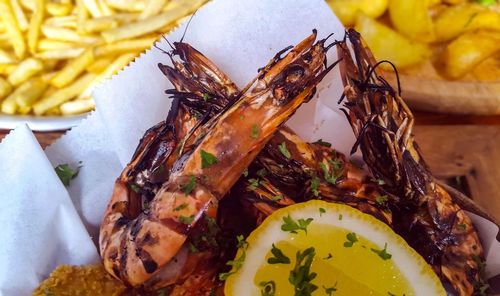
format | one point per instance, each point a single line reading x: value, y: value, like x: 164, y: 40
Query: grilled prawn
x: 425, y: 215
x: 137, y: 243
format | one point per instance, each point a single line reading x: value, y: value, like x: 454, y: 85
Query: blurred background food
x: 53, y: 52
x: 445, y: 39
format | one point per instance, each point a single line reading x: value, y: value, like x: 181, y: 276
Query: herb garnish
x: 301, y: 276
x: 284, y: 150
x: 193, y: 248
x: 238, y: 262
x: 340, y: 217
x: 245, y: 173
x: 206, y: 97
x: 161, y: 292
x: 207, y: 159
x: 351, y: 239
x: 186, y: 220
x: 486, y: 2
x: 279, y: 257
x: 190, y: 185
x: 314, y: 185
x: 381, y: 199
x: 66, y: 173
x: 336, y: 171
x: 135, y: 187
x: 293, y: 226
x: 255, y: 131
x: 329, y: 291
x: 378, y: 181
x: 268, y: 288
x: 462, y: 226
x: 277, y: 197
x: 382, y: 253
x: 323, y: 143
x: 181, y: 207
x: 254, y: 183
x: 321, y: 211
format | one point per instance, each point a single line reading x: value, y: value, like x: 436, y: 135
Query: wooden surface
x: 456, y: 147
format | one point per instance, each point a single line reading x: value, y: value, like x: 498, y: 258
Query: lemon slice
x: 320, y: 248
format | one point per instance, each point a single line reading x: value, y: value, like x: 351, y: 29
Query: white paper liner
x: 239, y: 37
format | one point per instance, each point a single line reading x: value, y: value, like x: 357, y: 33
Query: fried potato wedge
x: 387, y: 44
x: 469, y: 50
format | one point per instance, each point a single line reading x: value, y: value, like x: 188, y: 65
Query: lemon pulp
x: 354, y: 254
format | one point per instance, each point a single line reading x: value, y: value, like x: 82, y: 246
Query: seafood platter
x: 244, y: 154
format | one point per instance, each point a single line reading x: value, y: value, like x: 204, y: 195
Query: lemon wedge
x: 320, y: 248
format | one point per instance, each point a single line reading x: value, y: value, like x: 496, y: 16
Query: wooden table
x: 462, y: 150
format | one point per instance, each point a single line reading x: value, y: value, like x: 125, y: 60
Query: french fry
x: 59, y: 9
x: 99, y: 65
x: 56, y: 111
x: 68, y: 35
x: 125, y: 46
x: 60, y: 54
x: 28, y: 4
x: 35, y: 25
x: 5, y: 41
x: 149, y: 25
x: 105, y: 9
x: 73, y: 68
x: 23, y: 110
x: 63, y: 95
x: 152, y: 7
x: 77, y: 106
x: 6, y: 69
x: 5, y: 88
x: 25, y: 70
x: 81, y: 14
x: 50, y: 44
x: 9, y: 105
x: 93, y: 8
x: 19, y: 13
x: 127, y: 5
x: 99, y: 24
x: 8, y: 17
x: 7, y: 58
x: 28, y: 92
x: 68, y: 21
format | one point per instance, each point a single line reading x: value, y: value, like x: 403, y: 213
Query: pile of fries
x: 52, y: 53
x: 456, y: 39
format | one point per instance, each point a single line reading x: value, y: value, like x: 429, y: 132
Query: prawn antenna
x: 187, y: 26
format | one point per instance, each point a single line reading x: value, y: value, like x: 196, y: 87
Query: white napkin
x: 40, y: 227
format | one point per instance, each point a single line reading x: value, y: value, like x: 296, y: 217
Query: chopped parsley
x: 190, y: 185
x: 268, y: 288
x: 301, y: 276
x: 161, y: 292
x: 321, y: 211
x: 181, y: 207
x: 135, y: 187
x: 378, y: 181
x: 206, y: 97
x: 245, y: 173
x: 381, y: 199
x: 186, y: 220
x: 207, y: 159
x: 193, y: 248
x: 329, y: 291
x: 254, y: 183
x: 382, y: 253
x: 279, y: 257
x: 284, y: 150
x: 66, y: 173
x: 314, y: 185
x: 340, y: 217
x: 277, y: 197
x: 462, y: 226
x: 351, y: 239
x: 336, y: 173
x: 486, y: 2
x: 293, y: 226
x: 323, y: 143
x: 238, y: 262
x: 255, y: 131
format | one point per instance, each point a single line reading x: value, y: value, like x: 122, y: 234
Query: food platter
x: 41, y: 123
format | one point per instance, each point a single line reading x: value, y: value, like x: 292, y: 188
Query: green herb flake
x: 245, y: 173
x: 238, y: 262
x: 486, y: 2
x: 277, y: 197
x: 181, y: 207
x: 301, y: 276
x: 261, y: 173
x: 382, y: 253
x: 382, y: 199
x: 192, y: 248
x: 279, y: 257
x: 329, y: 256
x: 66, y: 173
x: 161, y: 292
x: 135, y: 188
x: 351, y: 239
x: 314, y: 185
x: 378, y: 181
x: 206, y: 97
x: 340, y: 217
x: 268, y: 288
x: 337, y: 171
x: 255, y: 131
x: 207, y: 159
x: 322, y: 143
x: 462, y: 226
x: 186, y: 220
x: 254, y: 183
x: 329, y: 291
x: 284, y: 150
x: 293, y: 226
x: 321, y: 211
x: 190, y: 185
